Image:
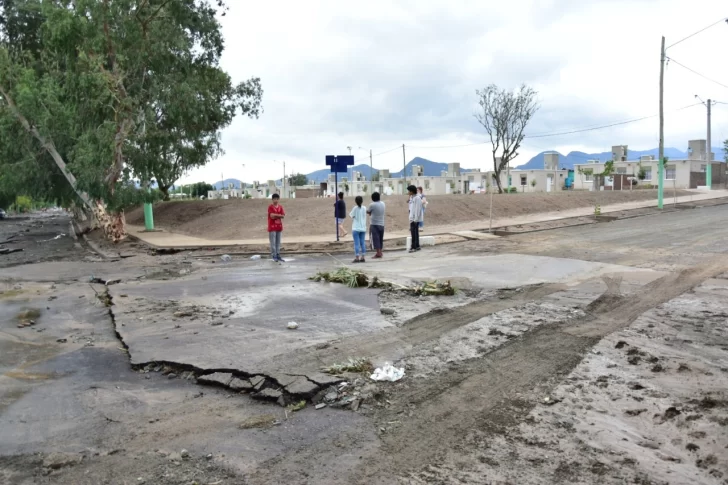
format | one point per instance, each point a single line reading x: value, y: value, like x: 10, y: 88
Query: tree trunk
x: 164, y: 189
x: 114, y: 226
x: 498, y: 180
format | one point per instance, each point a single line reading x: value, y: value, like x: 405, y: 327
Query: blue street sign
x: 339, y: 163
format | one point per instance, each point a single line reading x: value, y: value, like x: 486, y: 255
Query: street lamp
x: 284, y: 177
x: 371, y: 167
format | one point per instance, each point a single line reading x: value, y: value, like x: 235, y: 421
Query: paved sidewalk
x: 163, y: 239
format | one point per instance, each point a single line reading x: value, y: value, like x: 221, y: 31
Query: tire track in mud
x: 499, y: 390
x: 393, y: 343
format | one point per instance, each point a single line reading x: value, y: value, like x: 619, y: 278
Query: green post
x: 660, y: 182
x: 148, y: 217
x: 709, y: 175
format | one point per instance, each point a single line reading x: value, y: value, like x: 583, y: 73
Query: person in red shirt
x: 275, y: 228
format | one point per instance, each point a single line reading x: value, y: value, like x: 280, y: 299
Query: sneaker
x: 362, y: 260
x: 281, y: 260
x: 356, y: 261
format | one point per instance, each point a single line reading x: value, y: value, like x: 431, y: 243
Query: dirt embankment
x: 246, y: 219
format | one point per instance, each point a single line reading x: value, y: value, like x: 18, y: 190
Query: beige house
x: 681, y: 174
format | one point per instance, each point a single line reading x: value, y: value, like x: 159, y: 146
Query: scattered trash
x: 320, y: 406
x: 225, y: 258
x: 352, y: 365
x: 184, y: 453
x: 292, y: 325
x: 255, y: 257
x: 387, y: 373
x: 62, y: 340
x: 9, y: 250
x: 102, y: 281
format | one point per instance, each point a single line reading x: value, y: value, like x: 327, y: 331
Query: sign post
x: 338, y: 163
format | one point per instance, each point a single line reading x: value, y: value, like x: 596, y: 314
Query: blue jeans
x: 360, y: 247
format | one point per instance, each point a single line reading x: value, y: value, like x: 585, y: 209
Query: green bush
x: 23, y: 204
x: 512, y: 190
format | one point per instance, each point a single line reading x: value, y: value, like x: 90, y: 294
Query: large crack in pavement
x: 297, y: 376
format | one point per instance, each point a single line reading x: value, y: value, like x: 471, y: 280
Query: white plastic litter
x: 387, y: 373
x: 292, y: 325
x: 225, y: 258
x: 255, y: 257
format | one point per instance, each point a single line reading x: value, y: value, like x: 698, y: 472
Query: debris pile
x: 351, y: 365
x: 357, y: 279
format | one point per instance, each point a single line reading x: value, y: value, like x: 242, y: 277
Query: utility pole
x: 404, y: 169
x: 371, y: 169
x: 661, y: 153
x: 709, y: 166
x: 284, y: 179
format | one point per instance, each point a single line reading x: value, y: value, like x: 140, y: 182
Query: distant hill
x: 568, y: 161
x: 431, y: 169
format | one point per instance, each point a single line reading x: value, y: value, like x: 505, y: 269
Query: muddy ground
x: 246, y: 219
x: 591, y: 354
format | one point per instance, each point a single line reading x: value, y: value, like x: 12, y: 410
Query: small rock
x: 292, y: 325
x: 171, y: 375
x: 225, y: 258
x: 387, y: 311
x: 184, y: 453
x: 621, y: 344
x: 209, y: 456
x: 321, y: 346
x: 657, y: 368
x: 62, y: 340
x: 634, y: 360
x: 216, y: 323
x: 355, y: 404
x: 320, y: 406
x: 692, y: 447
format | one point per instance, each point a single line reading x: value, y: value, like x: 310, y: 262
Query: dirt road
x: 592, y: 354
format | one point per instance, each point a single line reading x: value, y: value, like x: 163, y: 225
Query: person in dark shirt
x: 340, y: 214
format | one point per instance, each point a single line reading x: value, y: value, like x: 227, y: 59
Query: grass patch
x: 351, y: 365
x: 260, y: 421
x: 296, y: 406
x: 357, y: 279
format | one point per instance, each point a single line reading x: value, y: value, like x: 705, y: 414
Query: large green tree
x: 111, y: 91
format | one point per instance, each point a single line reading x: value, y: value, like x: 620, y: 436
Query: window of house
x: 471, y: 178
x: 648, y: 173
x: 523, y: 180
x: 703, y: 168
x: 588, y: 177
x: 621, y: 169
x: 670, y: 172
x: 427, y: 185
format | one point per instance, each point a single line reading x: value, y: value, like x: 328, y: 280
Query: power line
x: 697, y: 73
x: 378, y: 154
x: 724, y: 19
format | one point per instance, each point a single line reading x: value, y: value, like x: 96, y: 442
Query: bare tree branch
x: 505, y: 115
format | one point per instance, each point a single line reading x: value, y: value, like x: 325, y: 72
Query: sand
x: 246, y: 219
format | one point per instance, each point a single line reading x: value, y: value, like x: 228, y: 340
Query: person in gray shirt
x: 376, y: 224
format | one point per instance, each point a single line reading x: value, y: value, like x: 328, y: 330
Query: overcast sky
x: 380, y: 74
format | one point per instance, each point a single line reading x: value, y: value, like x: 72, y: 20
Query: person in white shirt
x: 359, y: 229
x: 415, y: 216
x: 421, y: 193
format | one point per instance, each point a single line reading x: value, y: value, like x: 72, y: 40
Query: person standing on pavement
x: 415, y: 216
x: 376, y: 224
x: 275, y: 228
x: 359, y: 230
x: 421, y: 193
x: 340, y: 214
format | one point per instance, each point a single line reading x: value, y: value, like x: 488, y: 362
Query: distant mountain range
x: 433, y: 169
x: 568, y: 161
x: 430, y: 168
